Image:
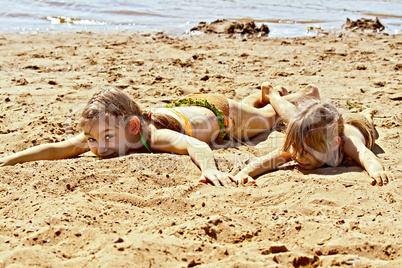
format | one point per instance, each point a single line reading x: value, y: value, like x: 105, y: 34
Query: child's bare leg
x: 253, y: 100
x: 250, y: 120
x: 284, y: 105
x: 310, y: 91
x: 266, y: 88
x: 257, y: 99
x: 247, y: 121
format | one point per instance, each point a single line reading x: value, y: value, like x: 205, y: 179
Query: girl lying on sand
x: 318, y: 134
x: 114, y: 125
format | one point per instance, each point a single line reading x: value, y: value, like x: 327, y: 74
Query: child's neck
x: 141, y: 141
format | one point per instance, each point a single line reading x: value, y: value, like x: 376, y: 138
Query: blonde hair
x: 313, y: 128
x: 114, y: 102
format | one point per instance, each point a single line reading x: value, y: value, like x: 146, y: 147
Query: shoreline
x: 278, y: 29
x: 149, y: 209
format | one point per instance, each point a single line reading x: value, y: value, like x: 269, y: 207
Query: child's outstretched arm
x: 355, y: 148
x: 166, y: 140
x: 261, y: 165
x: 50, y: 151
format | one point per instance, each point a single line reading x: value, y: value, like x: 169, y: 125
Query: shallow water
x: 285, y: 18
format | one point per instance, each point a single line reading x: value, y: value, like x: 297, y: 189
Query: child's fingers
x: 209, y: 179
x: 232, y: 180
x: 218, y: 180
x: 381, y: 178
x: 213, y: 179
x: 226, y: 180
x: 389, y: 176
x: 247, y: 181
x: 377, y: 180
x: 252, y: 181
x: 385, y: 178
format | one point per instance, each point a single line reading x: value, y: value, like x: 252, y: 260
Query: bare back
x: 203, y: 122
x: 244, y: 121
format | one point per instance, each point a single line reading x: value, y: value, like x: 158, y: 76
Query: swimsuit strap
x: 145, y: 144
x: 222, y: 121
x: 187, y: 125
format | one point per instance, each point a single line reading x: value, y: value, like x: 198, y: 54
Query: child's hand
x: 380, y: 177
x: 244, y: 180
x: 217, y: 178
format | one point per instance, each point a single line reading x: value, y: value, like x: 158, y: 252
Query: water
x: 285, y: 18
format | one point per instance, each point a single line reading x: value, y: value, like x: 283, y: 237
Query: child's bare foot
x: 267, y: 91
x: 310, y: 91
x: 266, y: 87
x: 282, y: 90
x: 369, y: 114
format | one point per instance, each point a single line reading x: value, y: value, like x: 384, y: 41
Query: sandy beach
x: 148, y: 210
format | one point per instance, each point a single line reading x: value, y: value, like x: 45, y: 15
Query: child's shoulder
x: 363, y: 125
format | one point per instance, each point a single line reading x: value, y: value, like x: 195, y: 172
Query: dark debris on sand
x: 363, y: 25
x: 246, y: 28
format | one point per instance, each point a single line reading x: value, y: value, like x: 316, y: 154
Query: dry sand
x: 148, y: 210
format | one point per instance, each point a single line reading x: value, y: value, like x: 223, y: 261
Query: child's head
x: 109, y: 102
x: 109, y: 120
x: 314, y: 135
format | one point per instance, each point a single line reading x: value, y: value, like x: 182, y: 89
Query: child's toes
x: 266, y: 90
x: 313, y: 91
x: 281, y: 90
x: 369, y: 113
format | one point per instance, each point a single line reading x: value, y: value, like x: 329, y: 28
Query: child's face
x: 305, y: 159
x: 106, y: 139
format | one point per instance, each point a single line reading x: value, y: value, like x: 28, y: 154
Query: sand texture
x: 148, y: 210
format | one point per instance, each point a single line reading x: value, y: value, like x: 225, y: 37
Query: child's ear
x: 134, y: 125
x: 335, y: 143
